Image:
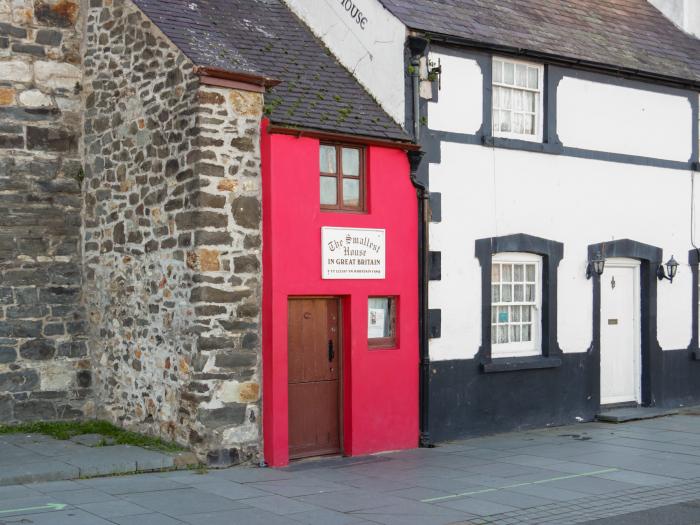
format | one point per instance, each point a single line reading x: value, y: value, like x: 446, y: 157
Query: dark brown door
x: 314, y: 385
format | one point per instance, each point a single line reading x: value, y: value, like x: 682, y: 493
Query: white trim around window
x: 516, y: 102
x: 516, y: 304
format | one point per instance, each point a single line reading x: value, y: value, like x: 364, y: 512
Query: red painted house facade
x: 351, y: 392
x: 306, y: 243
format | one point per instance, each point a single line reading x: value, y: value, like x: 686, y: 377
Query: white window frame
x: 539, y: 110
x: 527, y: 348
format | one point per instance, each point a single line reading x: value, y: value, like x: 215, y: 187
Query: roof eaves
x: 237, y: 79
x: 559, y: 59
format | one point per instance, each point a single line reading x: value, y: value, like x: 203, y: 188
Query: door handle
x: 331, y: 353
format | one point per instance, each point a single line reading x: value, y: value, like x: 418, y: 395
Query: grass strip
x: 67, y: 429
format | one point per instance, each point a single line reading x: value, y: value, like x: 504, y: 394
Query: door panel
x: 314, y: 384
x: 619, y: 333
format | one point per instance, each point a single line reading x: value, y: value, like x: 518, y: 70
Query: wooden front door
x: 314, y: 384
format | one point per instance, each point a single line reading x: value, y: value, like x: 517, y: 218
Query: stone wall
x: 171, y: 240
x: 44, y: 373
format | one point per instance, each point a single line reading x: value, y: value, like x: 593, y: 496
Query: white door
x: 620, y: 347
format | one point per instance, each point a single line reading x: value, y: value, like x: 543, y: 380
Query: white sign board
x: 376, y: 320
x: 353, y: 253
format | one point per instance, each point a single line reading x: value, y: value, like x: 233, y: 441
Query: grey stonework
x: 41, y: 316
x: 171, y: 241
x: 130, y: 231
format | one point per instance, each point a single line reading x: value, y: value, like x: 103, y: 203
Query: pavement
x: 598, y: 473
x: 27, y: 458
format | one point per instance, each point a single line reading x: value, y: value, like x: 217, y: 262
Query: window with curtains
x: 342, y: 177
x: 517, y: 99
x: 515, y: 304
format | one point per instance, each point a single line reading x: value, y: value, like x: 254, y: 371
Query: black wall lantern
x: 595, y: 265
x: 671, y: 270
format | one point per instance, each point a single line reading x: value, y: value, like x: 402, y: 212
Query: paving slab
x: 182, y: 502
x: 559, y: 476
x: 622, y: 415
x: 33, y: 458
x: 678, y: 514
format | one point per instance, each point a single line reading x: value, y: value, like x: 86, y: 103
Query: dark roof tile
x: 629, y: 34
x: 265, y: 38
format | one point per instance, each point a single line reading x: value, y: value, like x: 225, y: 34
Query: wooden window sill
x: 512, y: 364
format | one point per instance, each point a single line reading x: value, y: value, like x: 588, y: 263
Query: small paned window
x: 381, y: 322
x: 517, y: 99
x: 515, y: 304
x: 342, y: 178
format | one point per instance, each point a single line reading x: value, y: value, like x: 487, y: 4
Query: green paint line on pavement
x: 524, y: 484
x: 48, y: 506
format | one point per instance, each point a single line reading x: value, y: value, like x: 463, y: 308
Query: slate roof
x: 630, y: 34
x: 265, y: 38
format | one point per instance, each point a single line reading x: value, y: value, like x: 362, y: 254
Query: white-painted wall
x: 684, y: 13
x: 577, y: 201
x: 492, y: 192
x: 590, y: 115
x: 373, y: 51
x: 460, y: 104
x: 617, y: 119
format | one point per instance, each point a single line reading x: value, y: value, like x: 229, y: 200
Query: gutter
x: 342, y: 137
x: 214, y: 76
x: 587, y: 65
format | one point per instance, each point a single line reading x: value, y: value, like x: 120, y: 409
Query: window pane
x: 505, y: 120
x: 329, y: 191
x: 518, y: 100
x: 529, y: 124
x: 533, y: 78
x: 495, y: 294
x: 381, y: 317
x: 530, y: 272
x: 507, y: 270
x: 497, y: 71
x: 328, y: 163
x: 518, y: 293
x: 515, y: 333
x: 527, y: 314
x: 518, y: 273
x: 506, y: 293
x: 351, y: 192
x: 502, y: 333
x: 494, y: 315
x: 530, y: 293
x: 529, y: 102
x: 517, y: 123
x: 515, y: 313
x: 351, y: 162
x: 521, y: 75
x: 495, y: 273
x: 527, y: 332
x: 506, y: 99
x: 508, y: 73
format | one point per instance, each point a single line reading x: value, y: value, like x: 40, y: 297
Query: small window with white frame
x: 516, y: 291
x: 517, y: 99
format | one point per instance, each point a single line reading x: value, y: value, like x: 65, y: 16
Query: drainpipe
x: 415, y: 158
x: 417, y: 47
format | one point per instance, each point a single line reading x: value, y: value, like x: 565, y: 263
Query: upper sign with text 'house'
x: 367, y: 39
